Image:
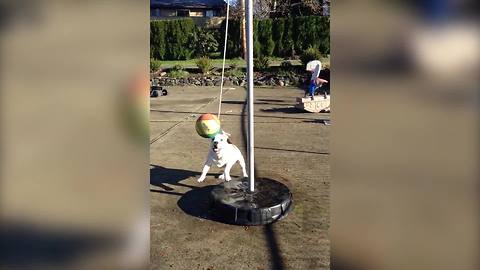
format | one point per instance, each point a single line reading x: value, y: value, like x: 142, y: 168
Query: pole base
x: 233, y: 203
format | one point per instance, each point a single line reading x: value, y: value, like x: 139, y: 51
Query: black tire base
x: 234, y: 204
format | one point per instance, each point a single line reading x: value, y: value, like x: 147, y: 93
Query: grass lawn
x: 240, y: 62
x: 191, y: 63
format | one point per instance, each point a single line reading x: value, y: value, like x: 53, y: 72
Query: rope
x: 223, y: 65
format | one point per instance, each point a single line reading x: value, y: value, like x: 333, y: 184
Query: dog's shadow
x: 194, y: 202
x: 160, y: 176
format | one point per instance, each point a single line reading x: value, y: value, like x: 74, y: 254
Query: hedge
x: 169, y: 40
x: 280, y: 37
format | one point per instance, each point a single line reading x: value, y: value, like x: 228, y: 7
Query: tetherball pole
x: 249, y: 15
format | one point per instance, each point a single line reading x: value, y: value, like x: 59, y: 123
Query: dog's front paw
x: 221, y: 176
x: 228, y: 179
x: 200, y: 179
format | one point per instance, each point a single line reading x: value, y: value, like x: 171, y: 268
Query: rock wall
x: 259, y: 80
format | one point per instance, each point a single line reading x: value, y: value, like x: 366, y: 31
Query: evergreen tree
x: 278, y: 29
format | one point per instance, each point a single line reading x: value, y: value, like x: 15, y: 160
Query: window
x: 183, y: 13
x: 196, y: 13
x: 209, y: 13
x: 168, y: 13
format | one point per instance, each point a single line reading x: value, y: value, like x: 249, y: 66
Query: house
x: 201, y: 11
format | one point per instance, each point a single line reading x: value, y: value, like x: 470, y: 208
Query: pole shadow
x: 288, y: 110
x: 277, y: 261
x: 240, y: 102
x: 270, y: 235
x: 291, y: 150
x: 270, y: 100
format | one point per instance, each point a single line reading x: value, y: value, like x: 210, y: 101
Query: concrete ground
x: 290, y: 145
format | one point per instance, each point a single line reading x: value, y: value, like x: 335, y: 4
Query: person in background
x: 314, y: 67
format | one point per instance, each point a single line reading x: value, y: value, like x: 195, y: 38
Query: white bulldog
x: 223, y: 153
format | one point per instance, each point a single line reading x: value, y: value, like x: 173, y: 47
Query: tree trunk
x: 242, y: 29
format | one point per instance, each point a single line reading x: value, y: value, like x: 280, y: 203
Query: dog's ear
x: 229, y: 141
x: 226, y: 134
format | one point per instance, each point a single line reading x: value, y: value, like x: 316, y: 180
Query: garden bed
x: 274, y: 76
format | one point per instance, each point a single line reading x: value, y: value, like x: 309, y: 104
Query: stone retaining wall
x: 264, y: 80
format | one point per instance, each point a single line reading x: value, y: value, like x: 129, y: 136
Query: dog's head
x: 220, y: 141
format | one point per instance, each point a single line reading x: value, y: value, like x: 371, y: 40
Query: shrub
x: 301, y: 27
x: 154, y: 65
x: 233, y: 66
x: 267, y: 39
x: 287, y: 39
x: 177, y: 39
x: 309, y: 55
x: 257, y: 45
x: 203, y: 42
x: 261, y: 63
x: 235, y: 72
x: 178, y: 67
x: 234, y: 41
x: 278, y: 29
x: 287, y: 73
x: 177, y: 73
x: 204, y: 64
x: 281, y: 37
x: 286, y: 65
x: 257, y: 49
x: 157, y: 40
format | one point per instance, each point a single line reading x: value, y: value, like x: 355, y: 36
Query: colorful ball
x: 207, y: 125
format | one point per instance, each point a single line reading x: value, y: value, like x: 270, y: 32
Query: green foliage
x: 261, y: 63
x: 170, y: 39
x: 309, y: 55
x: 287, y: 73
x: 178, y: 39
x: 287, y: 40
x: 178, y: 67
x: 157, y: 40
x: 235, y: 73
x: 265, y: 39
x: 281, y: 37
x: 177, y: 71
x: 154, y: 65
x: 286, y: 65
x: 301, y: 28
x: 234, y: 41
x: 203, y: 42
x: 278, y: 29
x: 174, y: 73
x: 323, y: 31
x: 288, y: 70
x: 204, y: 64
x: 257, y: 46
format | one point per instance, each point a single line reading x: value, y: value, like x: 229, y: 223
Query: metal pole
x: 249, y: 15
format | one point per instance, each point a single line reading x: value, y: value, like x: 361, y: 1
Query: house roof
x: 187, y: 3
